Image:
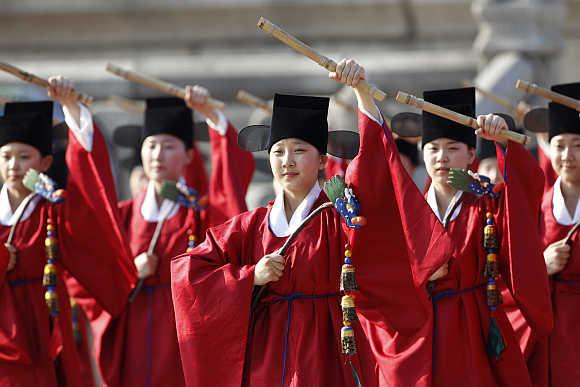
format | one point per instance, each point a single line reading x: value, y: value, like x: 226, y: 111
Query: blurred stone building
x: 407, y: 45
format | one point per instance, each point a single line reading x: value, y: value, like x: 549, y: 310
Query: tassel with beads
x: 495, y: 344
x: 348, y: 310
x: 347, y: 275
x: 50, y: 277
x: 191, y: 241
x: 348, y: 284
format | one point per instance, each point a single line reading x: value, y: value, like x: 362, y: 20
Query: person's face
x: 442, y: 154
x: 565, y: 156
x: 138, y: 180
x: 488, y: 167
x: 164, y: 156
x: 296, y: 165
x: 15, y: 160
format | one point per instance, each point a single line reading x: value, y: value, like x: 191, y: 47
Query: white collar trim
x: 149, y: 209
x: 559, y: 209
x: 277, y: 218
x: 432, y: 201
x: 7, y: 217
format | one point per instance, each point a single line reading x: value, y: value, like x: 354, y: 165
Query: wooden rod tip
x: 402, y: 97
x: 265, y: 25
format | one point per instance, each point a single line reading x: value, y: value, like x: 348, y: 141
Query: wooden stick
x: 129, y: 105
x: 252, y: 100
x: 151, y: 250
x: 31, y: 78
x: 287, y: 244
x: 157, y: 84
x: 493, y: 97
x: 532, y: 88
x: 571, y: 233
x: 462, y: 119
x: 301, y: 47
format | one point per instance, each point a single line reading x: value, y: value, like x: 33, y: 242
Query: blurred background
x: 405, y: 45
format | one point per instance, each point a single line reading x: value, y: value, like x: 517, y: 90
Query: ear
x: 323, y: 160
x: 471, y: 153
x: 45, y: 163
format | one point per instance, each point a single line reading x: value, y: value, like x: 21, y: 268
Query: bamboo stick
x: 302, y: 48
x: 252, y: 100
x: 31, y: 78
x: 532, y: 88
x: 156, y: 84
x: 462, y: 119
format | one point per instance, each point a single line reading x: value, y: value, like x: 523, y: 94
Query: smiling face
x: 295, y: 165
x: 15, y: 159
x: 164, y: 156
x: 442, y: 154
x: 565, y: 156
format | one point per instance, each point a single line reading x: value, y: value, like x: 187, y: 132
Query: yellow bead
x: 489, y: 215
x: 492, y: 257
x: 348, y: 253
x: 50, y: 227
x: 346, y: 323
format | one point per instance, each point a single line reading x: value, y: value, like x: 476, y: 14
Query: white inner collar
x: 151, y: 212
x: 7, y: 217
x: 277, y: 218
x: 432, y: 201
x: 559, y: 209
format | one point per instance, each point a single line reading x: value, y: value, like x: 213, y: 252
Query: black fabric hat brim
x: 254, y: 138
x: 536, y: 120
x: 341, y: 143
x: 407, y: 124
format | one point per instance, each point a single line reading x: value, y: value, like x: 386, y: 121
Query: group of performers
x: 360, y: 280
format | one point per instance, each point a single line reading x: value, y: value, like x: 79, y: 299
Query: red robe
x: 212, y: 290
x: 550, y: 175
x: 140, y: 347
x: 88, y: 232
x: 562, y: 352
x: 335, y: 166
x: 462, y: 320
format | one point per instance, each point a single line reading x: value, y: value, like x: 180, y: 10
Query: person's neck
x: 158, y: 198
x: 571, y: 194
x: 16, y: 197
x: 444, y: 195
x: 291, y: 202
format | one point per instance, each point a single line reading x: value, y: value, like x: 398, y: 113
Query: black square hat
x: 29, y: 123
x: 562, y: 119
x: 459, y: 100
x: 303, y: 117
x: 168, y: 116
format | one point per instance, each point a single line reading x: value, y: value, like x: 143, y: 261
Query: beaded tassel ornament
x: 348, y: 207
x: 191, y: 241
x: 50, y: 278
x: 495, y: 344
x: 480, y: 185
x: 44, y: 186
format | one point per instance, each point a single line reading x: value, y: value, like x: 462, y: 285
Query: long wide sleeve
x: 232, y: 170
x: 93, y: 246
x: 521, y: 252
x: 212, y: 293
x: 394, y: 254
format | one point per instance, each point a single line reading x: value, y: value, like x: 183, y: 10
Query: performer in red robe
x: 560, y: 212
x: 37, y: 346
x: 140, y: 348
x: 290, y: 335
x: 463, y: 350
